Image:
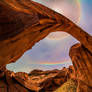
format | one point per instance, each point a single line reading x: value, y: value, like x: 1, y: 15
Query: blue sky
x: 52, y: 50
x: 86, y: 17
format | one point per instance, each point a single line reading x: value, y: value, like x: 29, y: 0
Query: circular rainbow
x: 61, y: 36
x: 79, y: 7
x: 56, y: 63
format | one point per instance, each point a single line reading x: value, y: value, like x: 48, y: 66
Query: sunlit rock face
x: 69, y: 8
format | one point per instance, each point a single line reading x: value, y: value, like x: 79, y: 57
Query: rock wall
x: 82, y: 61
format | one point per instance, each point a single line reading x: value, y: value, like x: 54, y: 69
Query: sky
x: 53, y: 51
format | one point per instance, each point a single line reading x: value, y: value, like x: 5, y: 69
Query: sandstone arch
x: 24, y: 22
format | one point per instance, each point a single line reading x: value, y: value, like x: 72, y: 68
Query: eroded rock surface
x: 82, y: 61
x: 41, y: 81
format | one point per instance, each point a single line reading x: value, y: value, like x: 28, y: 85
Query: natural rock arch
x: 24, y: 22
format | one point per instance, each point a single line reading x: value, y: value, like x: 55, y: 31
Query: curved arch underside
x: 24, y: 22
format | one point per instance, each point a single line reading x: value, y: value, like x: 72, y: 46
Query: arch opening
x: 47, y: 54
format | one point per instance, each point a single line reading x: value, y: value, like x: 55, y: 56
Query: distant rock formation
x: 41, y: 81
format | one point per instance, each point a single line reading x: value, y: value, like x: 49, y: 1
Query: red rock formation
x: 41, y: 72
x: 45, y: 81
x: 9, y: 84
x: 24, y: 22
x: 48, y: 81
x: 82, y: 61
